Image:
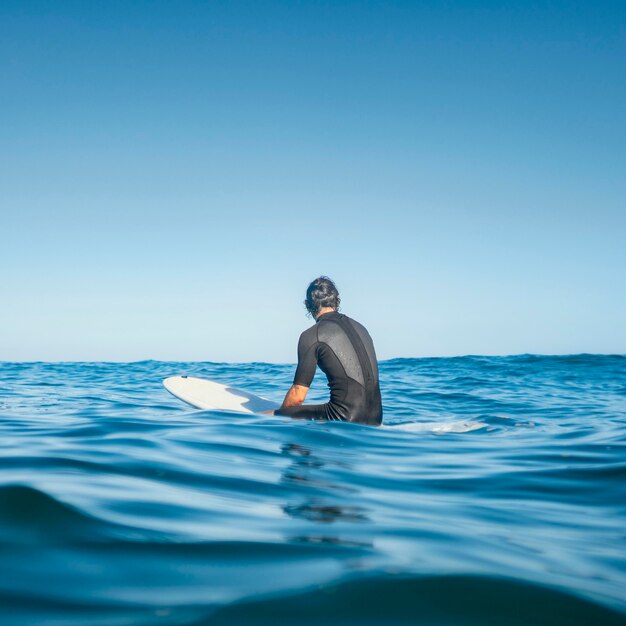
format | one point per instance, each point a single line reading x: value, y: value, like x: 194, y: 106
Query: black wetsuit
x: 345, y: 353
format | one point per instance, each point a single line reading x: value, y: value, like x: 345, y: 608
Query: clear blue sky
x: 173, y: 174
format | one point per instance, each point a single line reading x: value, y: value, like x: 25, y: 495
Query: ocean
x: 494, y: 495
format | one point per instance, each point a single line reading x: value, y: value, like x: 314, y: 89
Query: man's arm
x: 307, y: 362
x: 295, y: 396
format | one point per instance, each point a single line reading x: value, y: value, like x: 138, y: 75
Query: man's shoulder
x: 353, y: 321
x: 309, y: 335
x: 361, y: 330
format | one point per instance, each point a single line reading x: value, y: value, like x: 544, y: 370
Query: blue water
x: 500, y: 498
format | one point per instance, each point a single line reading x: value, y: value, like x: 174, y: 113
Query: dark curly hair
x: 321, y: 293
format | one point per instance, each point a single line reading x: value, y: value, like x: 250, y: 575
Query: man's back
x: 344, y: 350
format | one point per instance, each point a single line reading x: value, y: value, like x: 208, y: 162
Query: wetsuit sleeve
x: 307, y: 360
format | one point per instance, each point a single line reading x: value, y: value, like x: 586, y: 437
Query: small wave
x: 28, y: 514
x: 439, y: 427
x: 433, y: 601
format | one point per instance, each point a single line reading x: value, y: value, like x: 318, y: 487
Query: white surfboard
x: 208, y: 394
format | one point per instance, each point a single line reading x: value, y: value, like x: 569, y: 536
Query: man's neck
x: 323, y: 311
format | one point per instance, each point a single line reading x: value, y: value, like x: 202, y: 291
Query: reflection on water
x: 317, y: 508
x: 327, y: 513
x: 302, y: 470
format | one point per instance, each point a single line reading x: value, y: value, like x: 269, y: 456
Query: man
x: 345, y: 353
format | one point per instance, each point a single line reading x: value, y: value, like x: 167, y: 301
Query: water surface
x: 496, y: 496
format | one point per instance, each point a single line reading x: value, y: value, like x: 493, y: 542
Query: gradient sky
x: 173, y: 174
